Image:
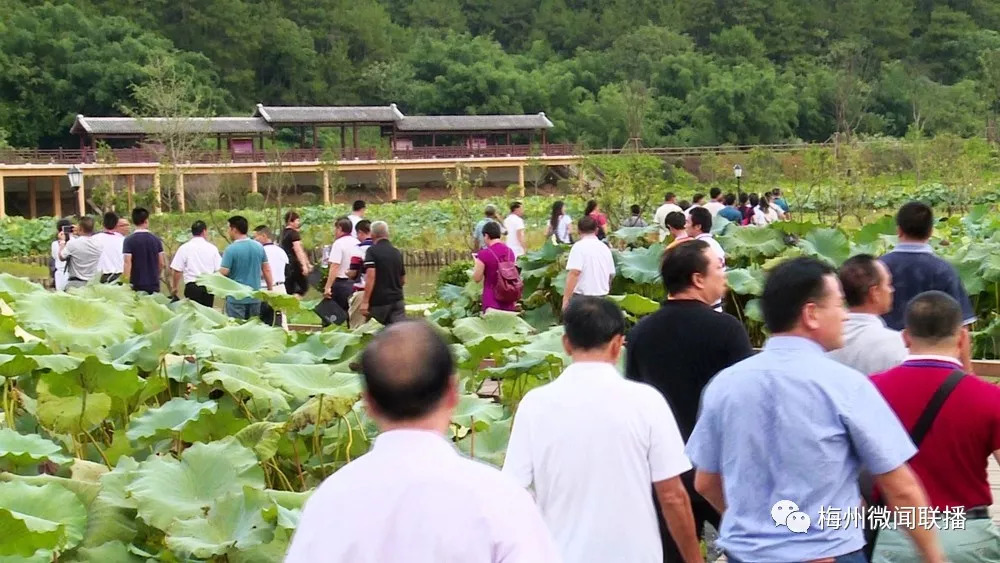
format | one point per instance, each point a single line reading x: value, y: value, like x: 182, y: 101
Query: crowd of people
x: 842, y: 412
x: 365, y: 280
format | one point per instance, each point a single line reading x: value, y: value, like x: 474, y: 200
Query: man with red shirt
x: 952, y: 458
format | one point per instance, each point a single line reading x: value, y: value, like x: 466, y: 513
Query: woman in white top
x: 765, y: 214
x: 559, y: 224
x: 59, y: 275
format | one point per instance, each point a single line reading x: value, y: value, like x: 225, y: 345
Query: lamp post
x: 738, y: 172
x: 75, y: 176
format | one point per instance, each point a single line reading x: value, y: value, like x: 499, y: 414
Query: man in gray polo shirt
x: 82, y: 254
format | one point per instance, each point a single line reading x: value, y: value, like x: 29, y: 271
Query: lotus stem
x: 98, y: 448
x: 315, y: 436
x: 281, y: 475
x: 350, y: 442
x: 298, y: 464
x: 361, y: 427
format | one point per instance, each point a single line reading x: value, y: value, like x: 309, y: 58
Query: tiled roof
x: 328, y: 114
x: 151, y: 125
x: 474, y: 122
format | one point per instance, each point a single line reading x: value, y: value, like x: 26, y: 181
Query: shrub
x: 309, y: 199
x: 413, y: 194
x: 255, y: 200
x: 456, y: 273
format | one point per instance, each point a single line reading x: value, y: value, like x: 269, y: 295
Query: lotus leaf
x: 473, y: 411
x: 235, y: 520
x: 746, y: 281
x: 65, y: 407
x: 247, y: 344
x: 247, y: 381
x: 110, y: 552
x: 829, y: 245
x: 635, y: 304
x: 631, y: 235
x: 172, y: 416
x: 111, y: 292
x: 281, y: 301
x: 489, y: 445
x: 641, y: 265
x: 262, y: 438
x: 203, y: 317
x: 220, y: 286
x: 73, y: 322
x: 753, y: 242
x: 150, y: 314
x: 29, y: 449
x: 493, y: 322
x: 548, y: 344
x: 304, y: 381
x: 49, y: 510
x: 328, y: 346
x: 166, y: 489
x: 13, y: 287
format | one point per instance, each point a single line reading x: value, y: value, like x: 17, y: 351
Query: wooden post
x: 392, y: 183
x: 57, y: 197
x: 520, y: 178
x: 355, y: 137
x: 32, y: 199
x: 343, y: 139
x: 3, y: 199
x: 130, y: 191
x: 253, y: 182
x: 157, y: 206
x: 326, y: 187
x: 181, y: 204
x: 315, y: 137
x: 81, y: 197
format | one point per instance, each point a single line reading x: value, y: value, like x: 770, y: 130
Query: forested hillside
x: 679, y: 71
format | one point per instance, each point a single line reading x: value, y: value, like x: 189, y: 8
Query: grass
x: 30, y: 271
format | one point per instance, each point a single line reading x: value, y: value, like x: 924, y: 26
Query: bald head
x: 407, y: 369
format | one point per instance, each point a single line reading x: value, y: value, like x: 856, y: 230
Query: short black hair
x: 684, y: 204
x: 363, y: 226
x: 789, y: 287
x: 586, y: 225
x: 514, y: 206
x: 86, y: 224
x: 933, y: 316
x: 240, y: 223
x: 696, y: 198
x: 714, y: 193
x: 730, y: 199
x: 198, y: 227
x: 682, y: 262
x: 407, y: 368
x: 291, y: 216
x: 916, y: 220
x: 858, y: 274
x: 344, y: 224
x: 701, y: 217
x: 675, y: 219
x: 744, y: 197
x: 492, y: 229
x: 263, y: 230
x: 635, y: 209
x: 669, y: 196
x: 359, y: 204
x: 591, y: 322
x: 110, y: 220
x: 139, y: 216
x: 776, y: 192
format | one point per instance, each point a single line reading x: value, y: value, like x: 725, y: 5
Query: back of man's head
x: 744, y: 198
x: 915, y: 220
x: 669, y: 197
x: 140, y: 215
x: 789, y: 288
x: 491, y: 210
x: 239, y: 223
x: 933, y: 317
x: 380, y: 229
x: 262, y: 232
x: 676, y: 220
x: 407, y: 370
x: 359, y: 205
x: 681, y: 263
x: 591, y: 323
x: 858, y: 274
x: 635, y: 209
x: 586, y: 225
x: 198, y: 228
x: 364, y: 227
x: 86, y: 225
x: 697, y: 199
x: 714, y: 193
x: 110, y: 220
x: 514, y: 206
x: 344, y: 225
x: 701, y: 217
x: 730, y: 199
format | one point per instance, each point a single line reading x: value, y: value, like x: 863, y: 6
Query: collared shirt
x: 343, y: 249
x: 145, y: 248
x: 592, y: 258
x: 196, y: 257
x: 731, y: 214
x: 593, y: 475
x: 514, y: 224
x: 82, y: 255
x: 414, y: 498
x: 244, y: 259
x: 708, y: 238
x: 952, y: 460
x: 277, y: 259
x: 916, y: 269
x: 112, y: 260
x: 791, y: 424
x: 869, y: 346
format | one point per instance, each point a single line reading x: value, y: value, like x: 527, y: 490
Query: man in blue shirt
x: 779, y: 201
x: 916, y: 269
x: 782, y: 435
x: 244, y: 261
x: 729, y: 212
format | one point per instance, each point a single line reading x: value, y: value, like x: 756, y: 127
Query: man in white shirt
x: 413, y: 496
x: 715, y: 203
x: 592, y: 475
x: 700, y: 228
x: 339, y: 286
x: 590, y: 267
x: 195, y: 257
x: 869, y: 346
x: 514, y: 224
x: 112, y: 260
x: 278, y: 260
x: 357, y: 214
x: 669, y: 206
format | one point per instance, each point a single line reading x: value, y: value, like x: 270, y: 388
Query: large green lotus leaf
x: 473, y: 411
x: 58, y: 363
x: 178, y: 368
x: 65, y: 408
x: 546, y: 344
x: 111, y: 515
x: 220, y: 286
x: 281, y: 301
x: 271, y: 552
x: 752, y: 242
x: 43, y: 509
x: 109, y: 292
x: 489, y: 445
x: 527, y: 364
x: 541, y: 318
x: 829, y: 245
x: 631, y: 235
x: 786, y: 254
x: 490, y: 345
x: 641, y: 265
x: 753, y: 311
x: 166, y: 489
x: 29, y: 449
x: 493, y: 322
x: 635, y: 304
x: 235, y: 521
x: 262, y: 438
x: 110, y: 552
x: 874, y: 232
x: 150, y: 314
x: 226, y: 421
x: 13, y: 287
x: 247, y: 344
x: 21, y: 536
x: 971, y: 276
x: 545, y: 255
x: 247, y: 381
x: 16, y: 365
x: 320, y: 410
x: 204, y: 318
x: 170, y: 417
x: 746, y: 281
x: 72, y: 322
x: 328, y: 346
x: 304, y: 381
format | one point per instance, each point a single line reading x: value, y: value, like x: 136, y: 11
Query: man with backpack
x: 591, y: 268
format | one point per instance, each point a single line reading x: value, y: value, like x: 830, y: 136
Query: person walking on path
x: 592, y: 475
x: 487, y: 267
x: 660, y: 217
x: 514, y: 225
x: 355, y: 317
x: 244, y: 261
x: 195, y: 257
x: 590, y: 267
x: 681, y: 347
x: 357, y: 214
x: 385, y: 275
x: 277, y: 261
x: 413, y: 496
x: 916, y: 269
x: 299, y: 267
x: 869, y: 346
x: 81, y: 253
x: 560, y: 224
x: 700, y: 228
x: 339, y: 286
x: 594, y: 210
x: 635, y: 220
x: 112, y: 261
x: 144, y: 255
x: 490, y: 214
x: 786, y: 432
x: 956, y: 446
x: 715, y: 203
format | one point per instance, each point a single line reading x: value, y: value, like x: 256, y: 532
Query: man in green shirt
x: 244, y: 261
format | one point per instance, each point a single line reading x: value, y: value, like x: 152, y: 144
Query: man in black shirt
x: 298, y: 268
x: 144, y: 255
x: 679, y: 348
x: 384, y: 278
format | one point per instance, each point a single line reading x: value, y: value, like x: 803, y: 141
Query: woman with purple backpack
x: 495, y: 267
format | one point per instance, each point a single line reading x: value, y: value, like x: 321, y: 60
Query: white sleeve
x: 517, y: 463
x: 217, y: 261
x: 575, y: 261
x: 666, y: 447
x: 180, y: 259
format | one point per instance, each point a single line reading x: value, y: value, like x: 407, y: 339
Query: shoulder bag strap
x: 933, y: 407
